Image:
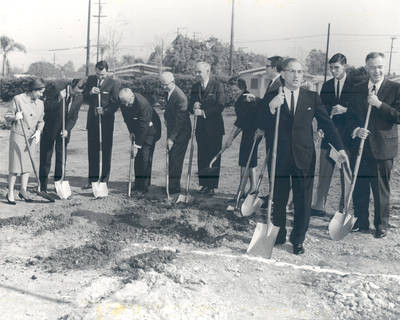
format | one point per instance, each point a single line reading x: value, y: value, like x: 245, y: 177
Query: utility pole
x: 54, y: 59
x: 88, y: 40
x: 161, y: 57
x: 232, y: 37
x: 327, y: 51
x: 390, y: 56
x: 99, y: 16
x: 194, y: 35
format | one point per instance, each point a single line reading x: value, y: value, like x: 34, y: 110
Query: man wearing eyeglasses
x: 178, y: 125
x: 380, y: 146
x: 296, y: 152
x: 335, y: 95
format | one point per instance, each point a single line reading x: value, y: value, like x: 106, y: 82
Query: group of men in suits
x: 340, y: 111
x: 103, y: 96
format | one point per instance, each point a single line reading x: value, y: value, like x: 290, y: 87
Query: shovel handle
x: 100, y: 141
x: 191, y: 154
x: 131, y: 159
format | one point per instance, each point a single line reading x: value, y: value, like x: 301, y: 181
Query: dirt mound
x: 15, y: 221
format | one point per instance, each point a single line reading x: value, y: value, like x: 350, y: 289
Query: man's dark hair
x: 102, y: 65
x: 338, y: 58
x: 76, y: 82
x: 373, y: 55
x: 276, y: 62
x: 241, y: 84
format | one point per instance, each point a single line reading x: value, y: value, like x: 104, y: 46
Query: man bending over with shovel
x: 295, y: 157
x: 144, y: 125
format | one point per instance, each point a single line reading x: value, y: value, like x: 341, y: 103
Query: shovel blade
x: 341, y: 225
x: 251, y: 204
x: 263, y: 240
x: 63, y: 189
x: 99, y: 189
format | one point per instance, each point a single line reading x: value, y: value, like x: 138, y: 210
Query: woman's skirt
x: 245, y: 149
x: 18, y: 156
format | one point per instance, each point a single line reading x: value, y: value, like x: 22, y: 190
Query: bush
x: 12, y: 87
x: 149, y: 86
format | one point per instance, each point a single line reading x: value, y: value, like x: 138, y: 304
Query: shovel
x: 243, y: 180
x: 186, y: 197
x: 167, y: 169
x: 99, y: 188
x: 210, y: 170
x: 263, y: 240
x: 253, y: 202
x: 62, y: 187
x: 131, y: 161
x: 342, y: 222
x: 38, y: 192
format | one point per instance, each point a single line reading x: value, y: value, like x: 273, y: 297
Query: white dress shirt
x: 288, y: 94
x: 170, y: 92
x: 377, y: 85
x: 341, y: 84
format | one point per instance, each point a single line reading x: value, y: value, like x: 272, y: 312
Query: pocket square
x: 309, y: 108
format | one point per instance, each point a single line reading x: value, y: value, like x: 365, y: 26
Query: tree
x: 68, y: 70
x: 81, y: 72
x: 184, y: 52
x: 315, y: 62
x: 44, y: 70
x: 9, y: 45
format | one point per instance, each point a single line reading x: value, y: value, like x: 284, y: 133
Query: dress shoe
x: 87, y: 186
x: 318, y: 213
x: 380, y: 232
x: 10, y: 201
x: 298, y: 248
x: 357, y: 228
x: 211, y: 191
x: 22, y: 197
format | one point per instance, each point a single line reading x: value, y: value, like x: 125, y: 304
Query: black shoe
x: 380, y: 232
x: 211, y: 191
x: 21, y: 196
x: 87, y: 186
x: 318, y: 213
x: 298, y: 248
x: 9, y: 201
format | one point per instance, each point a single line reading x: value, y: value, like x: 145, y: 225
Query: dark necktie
x: 268, y: 86
x: 338, y: 90
x: 291, y: 104
x: 374, y: 89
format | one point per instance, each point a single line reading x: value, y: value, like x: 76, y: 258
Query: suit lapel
x: 208, y: 88
x: 382, y: 90
x: 300, y: 102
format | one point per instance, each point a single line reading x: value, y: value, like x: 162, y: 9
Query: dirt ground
x: 143, y: 258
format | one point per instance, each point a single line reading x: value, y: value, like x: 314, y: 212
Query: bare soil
x: 145, y: 258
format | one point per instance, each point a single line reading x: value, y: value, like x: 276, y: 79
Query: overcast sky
x: 50, y: 24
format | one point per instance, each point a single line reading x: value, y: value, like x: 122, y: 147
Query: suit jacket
x: 109, y: 98
x: 212, y: 100
x: 383, y: 139
x: 296, y: 133
x: 176, y: 115
x: 142, y: 120
x: 329, y: 99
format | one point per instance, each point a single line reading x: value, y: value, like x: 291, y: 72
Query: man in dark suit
x: 335, y: 95
x: 178, y: 124
x: 52, y: 131
x: 207, y: 101
x: 295, y: 152
x: 144, y: 126
x: 381, y: 143
x: 108, y: 88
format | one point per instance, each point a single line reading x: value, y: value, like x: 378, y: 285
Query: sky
x: 272, y: 27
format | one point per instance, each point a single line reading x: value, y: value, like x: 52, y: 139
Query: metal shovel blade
x: 341, y: 225
x: 251, y: 204
x: 99, y: 189
x: 63, y: 189
x: 263, y: 240
x: 184, y: 198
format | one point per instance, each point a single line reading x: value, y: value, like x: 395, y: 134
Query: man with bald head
x: 296, y: 151
x: 145, y: 129
x: 207, y: 101
x: 178, y: 124
x: 381, y: 143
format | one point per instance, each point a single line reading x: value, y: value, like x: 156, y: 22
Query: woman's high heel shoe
x: 9, y: 201
x: 27, y: 199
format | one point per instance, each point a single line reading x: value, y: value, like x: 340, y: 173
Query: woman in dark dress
x: 246, y: 113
